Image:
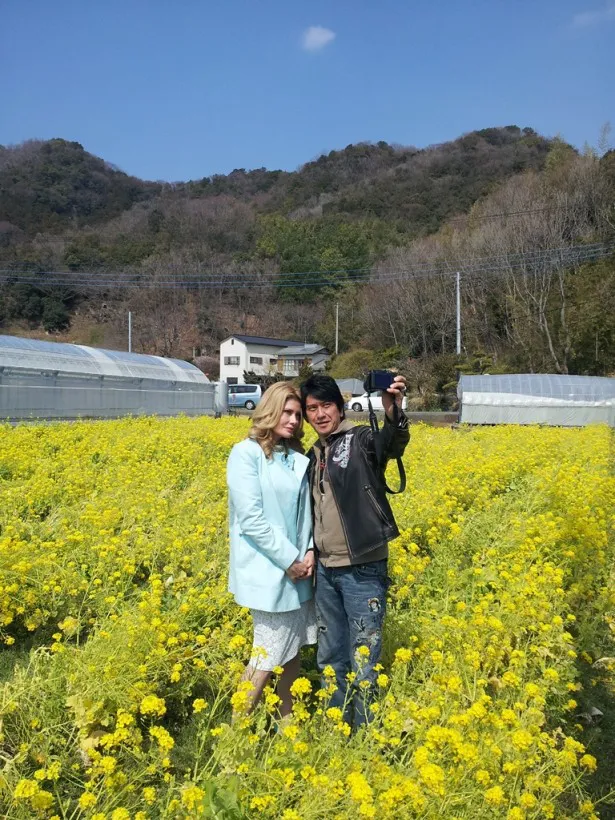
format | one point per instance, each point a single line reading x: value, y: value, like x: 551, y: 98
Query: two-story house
x: 265, y: 356
x: 258, y: 354
x: 292, y: 359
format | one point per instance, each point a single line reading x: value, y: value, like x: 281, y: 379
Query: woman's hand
x: 297, y: 570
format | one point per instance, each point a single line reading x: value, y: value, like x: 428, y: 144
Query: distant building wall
x: 24, y: 396
x: 558, y: 400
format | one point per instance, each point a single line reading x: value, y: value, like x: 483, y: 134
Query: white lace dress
x: 278, y: 636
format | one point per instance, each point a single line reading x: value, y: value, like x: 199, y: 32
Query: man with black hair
x: 353, y: 524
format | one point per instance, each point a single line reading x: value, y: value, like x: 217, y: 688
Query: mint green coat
x: 264, y: 540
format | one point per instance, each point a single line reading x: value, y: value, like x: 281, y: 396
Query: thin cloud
x: 587, y: 19
x: 316, y: 38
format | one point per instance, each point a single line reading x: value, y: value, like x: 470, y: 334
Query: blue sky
x: 180, y: 89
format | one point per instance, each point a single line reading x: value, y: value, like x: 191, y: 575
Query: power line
x: 552, y: 257
x: 448, y: 266
x: 506, y: 214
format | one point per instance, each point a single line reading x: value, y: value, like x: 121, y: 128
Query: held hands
x: 300, y: 570
x: 393, y: 395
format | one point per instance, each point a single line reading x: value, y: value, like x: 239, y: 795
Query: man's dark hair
x: 322, y: 388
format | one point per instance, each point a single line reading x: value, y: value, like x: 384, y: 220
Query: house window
x: 256, y: 359
x: 232, y: 380
x: 231, y: 360
x: 290, y: 365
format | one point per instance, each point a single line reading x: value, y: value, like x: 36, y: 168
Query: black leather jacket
x: 357, y: 483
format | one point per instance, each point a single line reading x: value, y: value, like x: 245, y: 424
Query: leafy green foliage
x: 326, y: 251
x: 36, y: 305
x: 264, y: 379
x: 55, y: 315
x: 354, y: 364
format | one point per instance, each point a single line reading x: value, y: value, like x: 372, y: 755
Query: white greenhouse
x: 567, y: 401
x: 56, y: 380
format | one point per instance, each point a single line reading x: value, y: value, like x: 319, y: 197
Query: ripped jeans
x: 350, y: 608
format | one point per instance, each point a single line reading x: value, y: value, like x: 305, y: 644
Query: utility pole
x: 129, y: 331
x: 458, y: 289
x: 337, y: 327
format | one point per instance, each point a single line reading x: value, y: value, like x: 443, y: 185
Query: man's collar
x: 343, y: 427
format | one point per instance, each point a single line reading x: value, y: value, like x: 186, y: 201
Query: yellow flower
x: 589, y: 763
x: 87, y: 800
x: 191, y: 795
x: 522, y: 739
x: 272, y: 700
x: 301, y: 686
x: 494, y: 796
x: 25, y: 789
x: 149, y: 795
x: 237, y: 642
x: 360, y: 790
x: 262, y: 802
x: 198, y: 705
x: 42, y: 800
x: 163, y: 738
x: 528, y: 800
x: 152, y: 705
x: 432, y: 776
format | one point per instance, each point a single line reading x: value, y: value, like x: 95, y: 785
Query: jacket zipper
x: 375, y: 503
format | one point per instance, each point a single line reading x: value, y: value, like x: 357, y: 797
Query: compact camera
x: 378, y: 380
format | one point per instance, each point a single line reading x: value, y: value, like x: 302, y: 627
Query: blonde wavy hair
x: 268, y: 413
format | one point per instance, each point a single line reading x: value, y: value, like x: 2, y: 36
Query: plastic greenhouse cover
x: 32, y: 354
x: 532, y: 387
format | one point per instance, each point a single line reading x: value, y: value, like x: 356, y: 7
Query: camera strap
x: 379, y: 445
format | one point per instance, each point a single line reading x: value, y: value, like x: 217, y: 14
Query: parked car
x: 244, y: 395
x: 359, y: 403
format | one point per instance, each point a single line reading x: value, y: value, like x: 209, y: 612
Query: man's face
x: 324, y: 416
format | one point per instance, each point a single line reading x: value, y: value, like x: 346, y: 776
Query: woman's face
x: 289, y: 421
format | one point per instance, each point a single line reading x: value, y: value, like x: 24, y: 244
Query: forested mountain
x: 57, y: 184
x: 359, y: 220
x: 49, y: 185
x: 62, y: 207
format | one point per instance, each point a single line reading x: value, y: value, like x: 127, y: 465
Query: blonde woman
x: 272, y: 555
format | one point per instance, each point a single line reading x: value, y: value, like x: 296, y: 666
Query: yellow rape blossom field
x: 122, y: 650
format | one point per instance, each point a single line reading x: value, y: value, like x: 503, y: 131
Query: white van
x: 244, y: 395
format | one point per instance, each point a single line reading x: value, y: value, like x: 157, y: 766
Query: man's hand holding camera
x: 393, y: 395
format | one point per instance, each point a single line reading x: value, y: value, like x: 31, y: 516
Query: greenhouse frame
x: 51, y: 380
x: 566, y: 401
